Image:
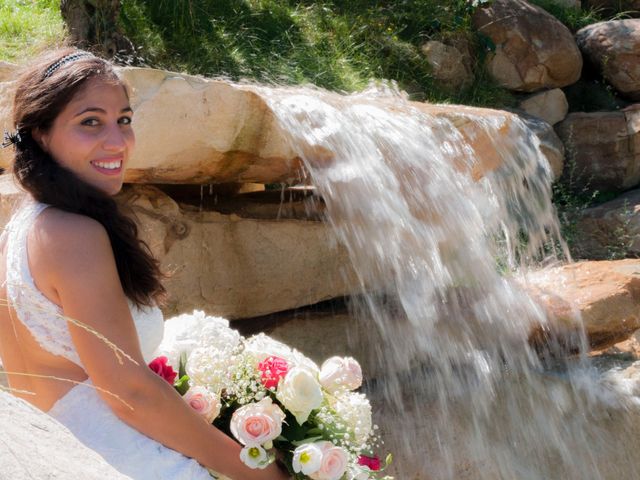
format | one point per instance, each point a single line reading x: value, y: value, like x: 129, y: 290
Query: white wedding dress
x: 82, y: 410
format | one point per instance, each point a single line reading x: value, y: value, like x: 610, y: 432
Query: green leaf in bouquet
x: 182, y: 366
x: 182, y: 384
x: 388, y: 460
x: 292, y: 430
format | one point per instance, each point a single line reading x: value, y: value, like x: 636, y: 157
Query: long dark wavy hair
x: 39, y: 99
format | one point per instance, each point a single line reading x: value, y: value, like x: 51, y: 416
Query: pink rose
x: 257, y: 423
x: 203, y: 402
x: 160, y: 366
x: 340, y: 373
x: 334, y: 462
x: 272, y: 369
x: 372, y: 463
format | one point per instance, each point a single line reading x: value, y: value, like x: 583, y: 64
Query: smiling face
x: 92, y: 135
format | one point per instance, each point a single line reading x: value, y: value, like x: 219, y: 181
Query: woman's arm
x: 73, y: 256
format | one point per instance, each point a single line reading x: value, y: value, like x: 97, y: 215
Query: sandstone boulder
x: 604, y: 147
x: 550, y: 106
x: 492, y: 134
x: 603, y: 296
x: 610, y: 230
x: 238, y: 267
x: 449, y: 66
x: 192, y: 130
x: 614, y: 47
x: 34, y: 445
x: 533, y: 50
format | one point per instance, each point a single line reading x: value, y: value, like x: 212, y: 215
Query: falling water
x: 463, y: 394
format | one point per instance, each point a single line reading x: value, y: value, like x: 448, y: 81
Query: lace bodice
x: 41, y: 316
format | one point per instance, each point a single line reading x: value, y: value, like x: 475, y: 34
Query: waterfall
x: 437, y: 235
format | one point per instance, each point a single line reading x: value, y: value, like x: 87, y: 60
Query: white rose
x: 335, y: 461
x: 307, y: 459
x: 300, y: 393
x: 257, y: 423
x: 203, y: 401
x: 254, y: 457
x: 340, y: 373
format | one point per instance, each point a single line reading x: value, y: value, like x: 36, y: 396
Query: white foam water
x: 437, y: 212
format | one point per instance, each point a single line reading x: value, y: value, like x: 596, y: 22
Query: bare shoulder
x: 69, y: 239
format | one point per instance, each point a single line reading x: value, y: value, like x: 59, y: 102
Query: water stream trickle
x: 463, y: 395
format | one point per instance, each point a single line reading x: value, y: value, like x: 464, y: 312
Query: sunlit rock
x: 604, y: 148
x: 193, y: 130
x: 550, y: 106
x: 602, y: 296
x: 34, y: 445
x: 533, y: 49
x: 614, y: 48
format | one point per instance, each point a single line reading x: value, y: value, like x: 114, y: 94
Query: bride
x: 81, y: 289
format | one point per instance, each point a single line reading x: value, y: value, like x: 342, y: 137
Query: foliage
x: 573, y: 17
x: 28, y: 26
x: 336, y: 44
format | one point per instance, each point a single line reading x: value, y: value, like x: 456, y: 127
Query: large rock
x: 198, y: 131
x: 610, y: 230
x: 36, y: 446
x: 603, y: 296
x: 614, y: 47
x: 492, y: 134
x: 604, y: 148
x: 238, y: 267
x: 533, y: 50
x: 550, y: 106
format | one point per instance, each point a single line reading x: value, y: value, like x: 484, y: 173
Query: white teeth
x: 109, y: 165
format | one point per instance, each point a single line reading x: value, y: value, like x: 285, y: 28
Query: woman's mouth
x: 108, y: 167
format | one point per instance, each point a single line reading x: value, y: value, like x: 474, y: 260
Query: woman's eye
x: 125, y: 121
x: 90, y: 122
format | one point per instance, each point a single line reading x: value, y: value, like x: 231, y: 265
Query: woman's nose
x: 115, y: 139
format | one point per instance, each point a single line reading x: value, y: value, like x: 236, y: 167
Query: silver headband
x: 64, y: 60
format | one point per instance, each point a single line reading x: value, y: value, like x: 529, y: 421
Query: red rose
x: 160, y: 366
x: 373, y: 463
x: 272, y: 369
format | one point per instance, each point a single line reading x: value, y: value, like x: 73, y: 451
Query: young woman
x: 72, y: 265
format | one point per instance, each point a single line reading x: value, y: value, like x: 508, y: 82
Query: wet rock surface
x: 601, y: 297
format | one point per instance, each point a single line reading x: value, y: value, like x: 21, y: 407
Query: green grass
x: 336, y: 44
x: 28, y: 26
x: 339, y: 45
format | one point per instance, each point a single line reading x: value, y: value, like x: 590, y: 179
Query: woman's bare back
x: 34, y: 374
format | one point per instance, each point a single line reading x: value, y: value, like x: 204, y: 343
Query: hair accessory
x: 64, y: 60
x: 11, y: 139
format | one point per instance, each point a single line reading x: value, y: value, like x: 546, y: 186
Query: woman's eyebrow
x: 101, y: 110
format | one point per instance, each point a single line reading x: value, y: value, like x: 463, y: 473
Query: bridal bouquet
x: 273, y: 400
